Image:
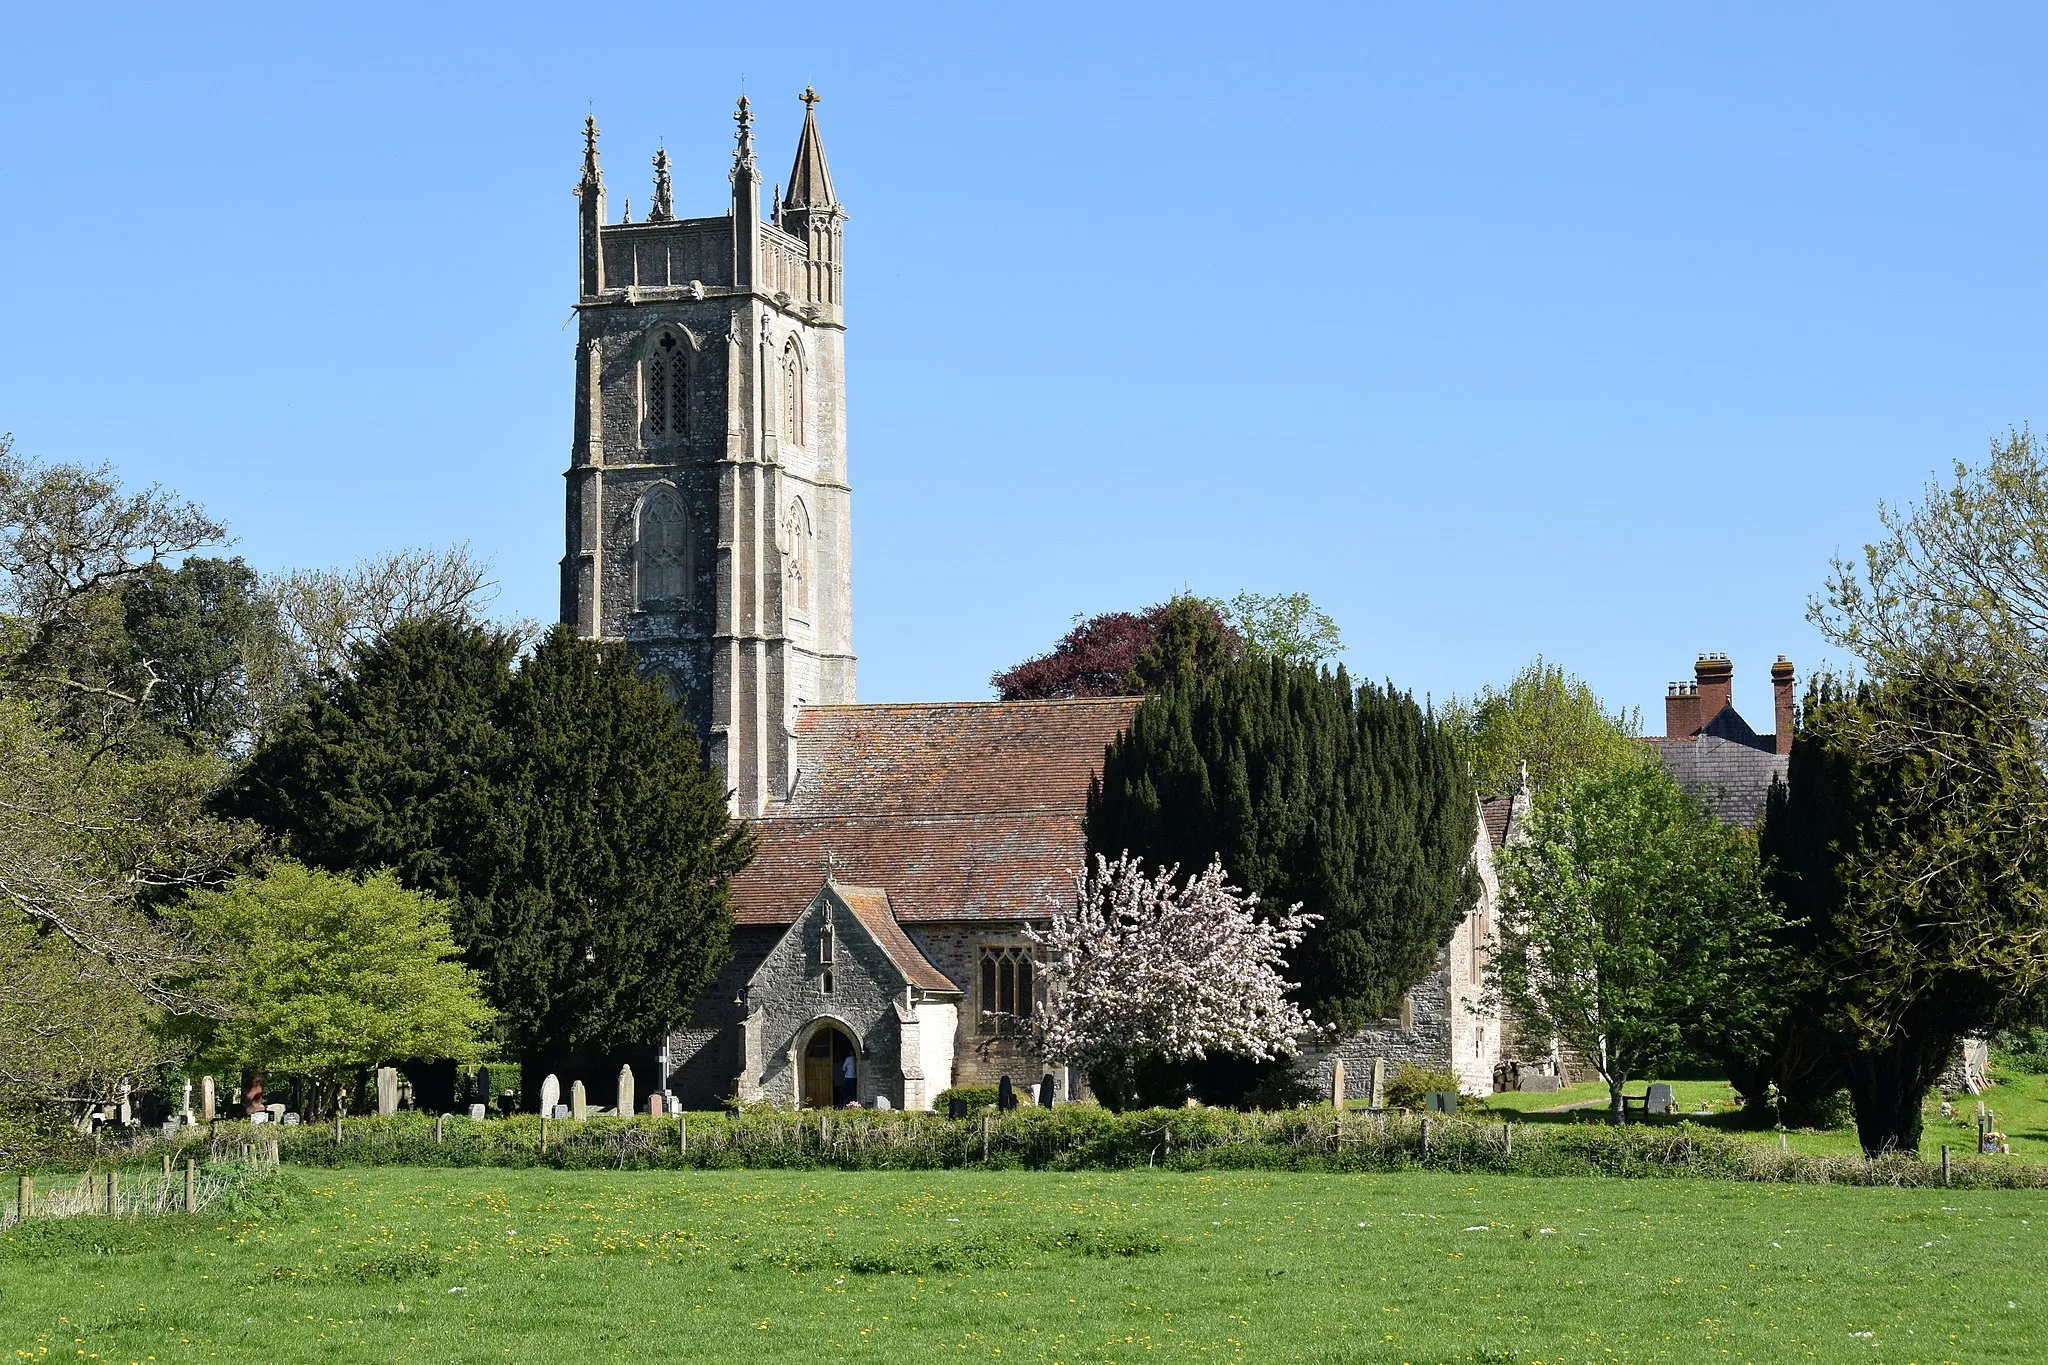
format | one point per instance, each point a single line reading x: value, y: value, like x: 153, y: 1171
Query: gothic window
x: 825, y: 958
x: 796, y: 549
x: 662, y: 548
x: 665, y: 389
x: 1006, y: 988
x: 792, y: 394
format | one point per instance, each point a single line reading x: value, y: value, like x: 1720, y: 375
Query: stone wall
x: 704, y: 1054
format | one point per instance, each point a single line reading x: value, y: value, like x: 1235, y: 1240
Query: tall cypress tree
x: 1353, y: 802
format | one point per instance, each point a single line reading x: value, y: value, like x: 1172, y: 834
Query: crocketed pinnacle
x: 590, y: 171
x: 810, y: 180
x: 743, y: 154
x: 664, y: 206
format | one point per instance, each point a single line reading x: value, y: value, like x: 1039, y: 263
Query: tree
x: 1122, y: 654
x: 326, y: 616
x: 1549, y: 721
x: 1918, y: 903
x: 194, y: 631
x: 1628, y: 915
x: 602, y: 910
x: 392, y: 763
x: 1354, y: 803
x: 1283, y: 626
x: 325, y: 975
x: 1141, y: 967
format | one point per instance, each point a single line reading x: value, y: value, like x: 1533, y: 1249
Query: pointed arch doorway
x: 831, y: 1073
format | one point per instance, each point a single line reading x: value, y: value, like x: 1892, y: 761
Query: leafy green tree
x: 326, y: 975
x: 192, y: 632
x: 1918, y: 903
x: 1353, y: 803
x: 603, y: 908
x: 393, y: 763
x: 1550, y: 721
x: 1189, y: 638
x: 1628, y: 914
x: 1284, y: 626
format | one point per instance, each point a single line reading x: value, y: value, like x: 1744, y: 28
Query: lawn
x: 477, y: 1265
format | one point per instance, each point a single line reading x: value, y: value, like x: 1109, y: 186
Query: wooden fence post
x: 1507, y: 1137
x: 1425, y: 1138
x: 543, y: 1132
x: 167, y: 1165
x: 440, y: 1121
x: 986, y: 1124
x: 191, y: 1185
x: 28, y: 1197
x: 1944, y: 1165
x: 682, y: 1134
x: 113, y: 1198
x: 273, y: 1154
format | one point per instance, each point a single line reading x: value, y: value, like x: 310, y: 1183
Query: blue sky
x: 1586, y: 331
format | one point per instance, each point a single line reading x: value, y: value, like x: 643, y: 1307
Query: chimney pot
x: 1782, y: 674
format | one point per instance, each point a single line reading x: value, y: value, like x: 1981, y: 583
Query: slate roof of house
x: 1731, y: 776
x: 962, y: 810
x: 870, y: 905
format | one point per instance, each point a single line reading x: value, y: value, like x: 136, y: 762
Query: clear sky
x: 1584, y: 330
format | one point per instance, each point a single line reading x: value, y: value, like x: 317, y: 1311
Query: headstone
x: 625, y: 1104
x: 1441, y: 1101
x: 483, y: 1084
x: 477, y: 1112
x: 1337, y: 1083
x: 1377, y: 1099
x: 260, y: 1116
x: 579, y: 1103
x: 127, y: 1106
x: 187, y: 1113
x: 276, y: 1112
x: 1660, y: 1100
x: 654, y: 1107
x: 170, y: 1127
x: 550, y: 1094
x: 290, y: 1119
x: 387, y: 1091
x: 881, y: 1101
x: 956, y: 1108
x: 206, y: 1099
x: 560, y: 1111
x: 1045, y: 1089
x: 1006, y: 1095
x: 1540, y: 1083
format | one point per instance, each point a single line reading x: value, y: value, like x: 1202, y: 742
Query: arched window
x: 662, y: 547
x: 665, y: 388
x: 796, y: 542
x: 792, y: 394
x: 1007, y: 994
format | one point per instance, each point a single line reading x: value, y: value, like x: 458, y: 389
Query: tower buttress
x: 590, y: 190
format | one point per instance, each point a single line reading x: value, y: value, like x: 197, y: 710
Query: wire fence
x: 226, y: 1171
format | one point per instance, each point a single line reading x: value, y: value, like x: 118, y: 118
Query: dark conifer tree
x: 1354, y: 803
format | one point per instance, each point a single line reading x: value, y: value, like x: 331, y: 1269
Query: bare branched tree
x: 325, y: 614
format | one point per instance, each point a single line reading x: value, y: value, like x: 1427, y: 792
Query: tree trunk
x: 1888, y: 1086
x: 1617, y: 1111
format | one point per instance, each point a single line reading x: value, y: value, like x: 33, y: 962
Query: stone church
x: 884, y: 947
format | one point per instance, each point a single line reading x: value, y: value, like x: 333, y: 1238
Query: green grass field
x: 440, y: 1265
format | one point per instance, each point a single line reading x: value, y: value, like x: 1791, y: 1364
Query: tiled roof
x: 947, y: 757
x: 1728, y: 724
x: 1498, y: 813
x: 1733, y: 778
x: 962, y: 810
x: 870, y: 905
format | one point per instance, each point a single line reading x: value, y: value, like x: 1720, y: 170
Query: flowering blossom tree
x: 1141, y: 966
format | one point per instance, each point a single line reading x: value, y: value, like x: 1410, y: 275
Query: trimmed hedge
x: 1083, y: 1137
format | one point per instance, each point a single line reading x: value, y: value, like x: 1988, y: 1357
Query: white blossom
x: 1141, y: 965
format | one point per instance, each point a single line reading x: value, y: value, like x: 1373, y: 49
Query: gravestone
x: 276, y: 1112
x: 956, y: 1108
x: 483, y: 1084
x: 206, y: 1098
x: 579, y: 1103
x: 260, y: 1116
x: 186, y: 1116
x: 1337, y: 1083
x: 654, y: 1105
x: 1377, y: 1097
x: 1660, y: 1100
x: 550, y: 1094
x: 290, y: 1120
x: 1045, y: 1089
x: 881, y: 1101
x: 624, y: 1107
x: 477, y: 1112
x: 560, y: 1111
x: 127, y: 1105
x: 1006, y: 1095
x: 1539, y: 1083
x: 1440, y: 1101
x: 387, y: 1091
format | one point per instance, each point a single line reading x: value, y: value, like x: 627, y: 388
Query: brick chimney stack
x: 1716, y: 679
x: 1781, y: 692
x: 1681, y: 711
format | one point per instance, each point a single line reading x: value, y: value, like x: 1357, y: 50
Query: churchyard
x: 398, y: 1263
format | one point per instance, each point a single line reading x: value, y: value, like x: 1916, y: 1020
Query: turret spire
x: 590, y: 214
x: 664, y: 206
x: 591, y: 175
x: 743, y: 154
x: 810, y: 180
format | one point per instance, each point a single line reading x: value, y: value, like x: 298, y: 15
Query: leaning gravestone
x: 579, y: 1103
x: 1337, y: 1083
x: 387, y: 1091
x: 624, y: 1107
x: 550, y: 1094
x: 1660, y: 1100
x: 1377, y: 1098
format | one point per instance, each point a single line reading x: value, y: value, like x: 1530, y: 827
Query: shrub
x: 977, y: 1096
x: 1411, y: 1083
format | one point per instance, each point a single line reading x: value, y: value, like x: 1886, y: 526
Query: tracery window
x: 792, y: 394
x: 796, y: 543
x: 662, y: 547
x: 1006, y: 988
x: 665, y: 389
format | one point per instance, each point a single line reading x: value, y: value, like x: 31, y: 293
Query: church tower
x: 707, y: 514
